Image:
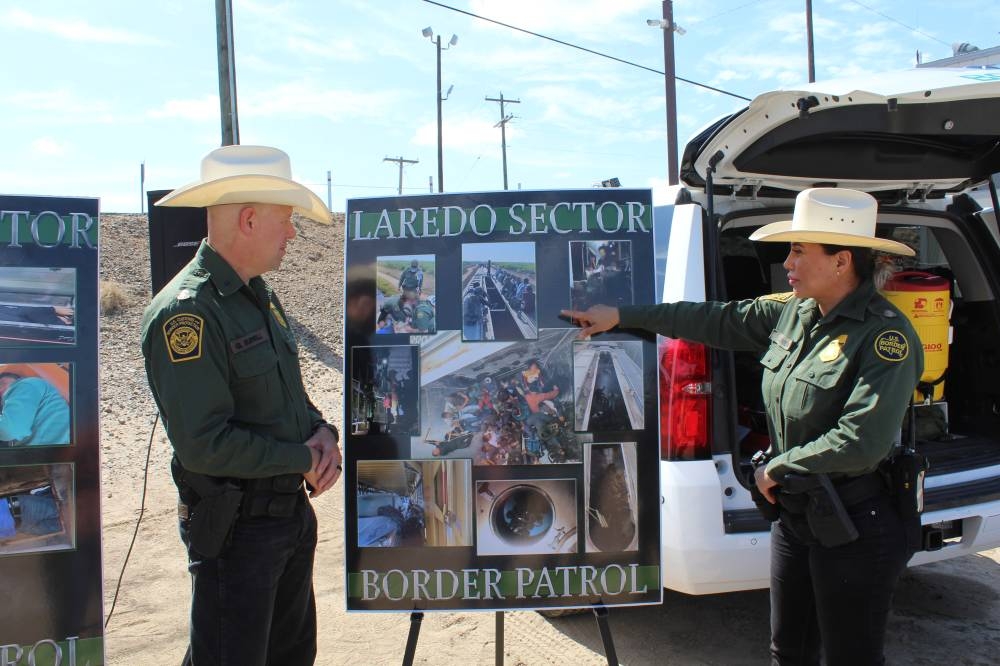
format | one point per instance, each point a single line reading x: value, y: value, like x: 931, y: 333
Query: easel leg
x: 601, y: 613
x: 411, y: 639
x: 499, y: 639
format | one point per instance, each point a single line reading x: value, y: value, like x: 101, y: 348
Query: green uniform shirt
x: 34, y: 413
x: 835, y: 388
x: 223, y: 367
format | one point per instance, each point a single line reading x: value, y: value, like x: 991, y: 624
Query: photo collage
x: 521, y: 439
x: 37, y: 317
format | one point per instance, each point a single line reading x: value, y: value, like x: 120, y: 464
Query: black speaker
x: 174, y: 237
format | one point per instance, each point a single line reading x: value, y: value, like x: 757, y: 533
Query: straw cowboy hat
x: 832, y: 216
x: 248, y: 174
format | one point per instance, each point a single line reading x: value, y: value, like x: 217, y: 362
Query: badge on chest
x: 833, y: 350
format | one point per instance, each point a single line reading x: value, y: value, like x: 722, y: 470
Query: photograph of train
x: 609, y: 473
x: 35, y: 404
x: 526, y: 517
x: 498, y: 403
x: 384, y: 390
x: 600, y: 272
x: 37, y: 306
x: 405, y: 295
x: 607, y: 379
x: 414, y: 503
x: 499, y: 291
x: 37, y: 508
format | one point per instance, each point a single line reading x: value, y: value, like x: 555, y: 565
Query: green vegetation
x: 398, y: 266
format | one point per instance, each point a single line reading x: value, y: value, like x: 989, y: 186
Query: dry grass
x: 114, y: 299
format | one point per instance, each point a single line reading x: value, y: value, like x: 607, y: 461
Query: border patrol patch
x: 183, y: 335
x: 892, y: 346
x: 278, y: 317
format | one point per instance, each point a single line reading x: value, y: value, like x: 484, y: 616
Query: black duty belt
x: 273, y: 496
x: 852, y: 491
x: 14, y: 506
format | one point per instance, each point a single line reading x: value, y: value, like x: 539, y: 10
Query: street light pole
x: 809, y: 40
x: 437, y: 41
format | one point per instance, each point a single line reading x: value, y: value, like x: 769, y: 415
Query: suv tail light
x: 685, y: 400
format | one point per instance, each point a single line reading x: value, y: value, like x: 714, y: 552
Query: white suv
x: 918, y: 141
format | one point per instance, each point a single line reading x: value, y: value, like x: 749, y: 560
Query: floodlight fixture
x: 453, y: 40
x: 427, y: 32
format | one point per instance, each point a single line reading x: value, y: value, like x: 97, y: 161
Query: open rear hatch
x: 924, y: 130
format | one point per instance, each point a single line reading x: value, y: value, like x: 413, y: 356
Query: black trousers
x: 254, y: 604
x: 835, y: 601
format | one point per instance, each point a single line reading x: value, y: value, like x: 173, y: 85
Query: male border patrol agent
x: 223, y: 367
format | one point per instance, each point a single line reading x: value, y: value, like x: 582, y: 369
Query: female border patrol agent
x: 223, y: 367
x: 840, y: 364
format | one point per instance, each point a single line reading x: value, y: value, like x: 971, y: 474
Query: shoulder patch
x: 278, y: 317
x: 783, y: 297
x: 183, y: 336
x: 892, y: 346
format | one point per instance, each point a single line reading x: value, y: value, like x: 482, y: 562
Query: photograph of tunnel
x: 498, y: 403
x: 37, y: 508
x: 526, y: 517
x: 600, y: 273
x: 37, y: 306
x: 414, y: 503
x: 607, y: 380
x: 384, y: 390
x: 499, y: 291
x: 405, y: 294
x: 35, y: 404
x: 609, y: 472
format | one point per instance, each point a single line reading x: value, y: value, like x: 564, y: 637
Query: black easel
x: 600, y: 614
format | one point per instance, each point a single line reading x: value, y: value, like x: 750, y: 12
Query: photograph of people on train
x: 607, y: 380
x: 384, y: 388
x: 499, y: 287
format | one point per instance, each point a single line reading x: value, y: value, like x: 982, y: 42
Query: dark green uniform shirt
x: 224, y: 370
x: 835, y: 388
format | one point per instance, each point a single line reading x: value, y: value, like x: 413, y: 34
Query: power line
x: 908, y: 27
x: 723, y: 13
x: 581, y: 48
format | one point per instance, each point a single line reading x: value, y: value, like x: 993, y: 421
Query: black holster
x: 904, y: 473
x: 828, y: 520
x: 213, y: 507
x: 770, y: 512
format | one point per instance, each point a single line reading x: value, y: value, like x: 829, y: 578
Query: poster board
x: 50, y: 516
x: 492, y: 460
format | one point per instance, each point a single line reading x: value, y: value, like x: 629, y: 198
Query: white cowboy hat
x: 248, y: 174
x: 832, y: 216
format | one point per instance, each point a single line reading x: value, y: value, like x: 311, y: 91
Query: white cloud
x: 334, y: 49
x: 77, y: 30
x: 206, y: 108
x: 48, y: 146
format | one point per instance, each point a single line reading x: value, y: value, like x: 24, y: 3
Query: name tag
x: 249, y: 341
x: 781, y: 340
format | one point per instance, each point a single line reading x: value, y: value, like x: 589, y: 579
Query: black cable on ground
x: 142, y: 509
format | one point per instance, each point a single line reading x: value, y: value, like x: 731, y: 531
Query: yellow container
x: 925, y: 299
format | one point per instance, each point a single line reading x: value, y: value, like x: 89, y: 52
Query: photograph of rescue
x: 37, y: 306
x: 414, y: 503
x: 405, y: 295
x: 498, y: 403
x: 600, y: 273
x: 36, y: 508
x: 384, y: 390
x: 35, y: 404
x: 498, y: 291
x: 607, y: 380
x: 612, y: 517
x: 526, y: 517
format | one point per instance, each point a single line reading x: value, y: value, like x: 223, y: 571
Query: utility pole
x: 142, y: 188
x: 809, y: 40
x: 503, y: 129
x: 670, y: 84
x: 401, y: 162
x: 227, y: 72
x: 329, y: 191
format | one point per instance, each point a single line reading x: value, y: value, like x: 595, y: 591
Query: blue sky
x: 92, y: 89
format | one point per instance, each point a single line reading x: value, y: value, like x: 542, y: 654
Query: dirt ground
x: 944, y: 613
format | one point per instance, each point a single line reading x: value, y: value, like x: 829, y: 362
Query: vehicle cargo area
x: 957, y: 418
